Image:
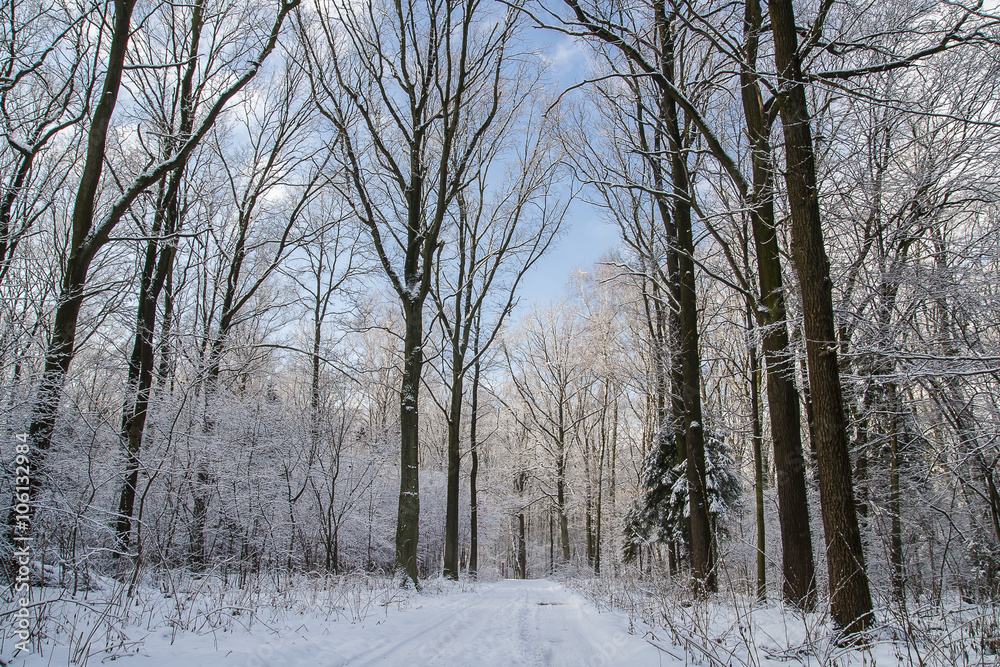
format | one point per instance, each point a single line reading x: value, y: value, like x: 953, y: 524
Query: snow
x: 357, y: 620
x: 20, y: 146
x: 532, y: 622
x: 735, y: 630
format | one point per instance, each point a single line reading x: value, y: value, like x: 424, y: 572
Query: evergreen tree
x: 663, y: 512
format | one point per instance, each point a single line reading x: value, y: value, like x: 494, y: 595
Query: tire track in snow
x: 527, y: 623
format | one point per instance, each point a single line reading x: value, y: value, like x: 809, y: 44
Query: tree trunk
x: 199, y: 518
x: 82, y: 249
x: 157, y: 265
x: 454, y: 468
x: 758, y: 462
x: 164, y: 368
x: 561, y: 474
x: 702, y: 568
x: 408, y: 518
x: 157, y: 268
x: 850, y: 597
x: 474, y: 471
x: 896, y: 529
x: 563, y: 518
x: 600, y: 484
x: 588, y: 501
x: 522, y: 547
x: 552, y: 547
x: 461, y: 327
x: 520, y: 482
x: 783, y: 401
x: 861, y: 467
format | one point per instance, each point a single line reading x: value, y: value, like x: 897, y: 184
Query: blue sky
x: 585, y: 236
x: 583, y: 241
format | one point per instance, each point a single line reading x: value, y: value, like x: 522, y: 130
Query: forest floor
x: 358, y: 620
x: 510, y: 622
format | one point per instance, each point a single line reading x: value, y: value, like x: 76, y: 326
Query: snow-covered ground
x: 534, y: 622
x: 357, y: 620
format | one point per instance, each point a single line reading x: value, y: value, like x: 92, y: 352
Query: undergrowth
x: 111, y: 619
x: 735, y: 629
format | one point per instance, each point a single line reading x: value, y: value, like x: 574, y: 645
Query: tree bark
x: 474, y: 471
x: 157, y: 265
x: 520, y: 482
x: 561, y: 501
x: 895, y: 499
x: 600, y: 481
x: 461, y: 328
x: 799, y: 586
x: 758, y: 463
x: 702, y: 567
x: 408, y: 516
x: 522, y: 547
x: 850, y: 597
x: 451, y: 566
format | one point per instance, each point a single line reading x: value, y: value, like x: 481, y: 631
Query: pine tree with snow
x: 662, y: 513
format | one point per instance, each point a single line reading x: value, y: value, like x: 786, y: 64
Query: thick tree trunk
x: 850, y: 597
x: 561, y: 475
x: 896, y: 530
x: 666, y: 325
x: 408, y: 517
x: 676, y: 410
x: 600, y: 484
x: 157, y: 265
x: 552, y: 547
x: 520, y: 482
x: 461, y: 328
x: 522, y: 547
x: 588, y: 501
x: 895, y: 499
x: 783, y: 401
x: 563, y: 517
x: 164, y: 371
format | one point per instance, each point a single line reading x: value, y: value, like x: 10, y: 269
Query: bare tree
x: 413, y: 93
x: 782, y: 398
x: 91, y: 230
x: 45, y: 88
x: 269, y: 185
x: 174, y: 122
x: 547, y: 370
x: 629, y: 34
x: 500, y: 233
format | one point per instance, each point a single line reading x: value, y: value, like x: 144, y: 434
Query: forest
x: 267, y: 328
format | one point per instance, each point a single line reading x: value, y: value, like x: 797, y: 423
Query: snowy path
x: 508, y: 624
